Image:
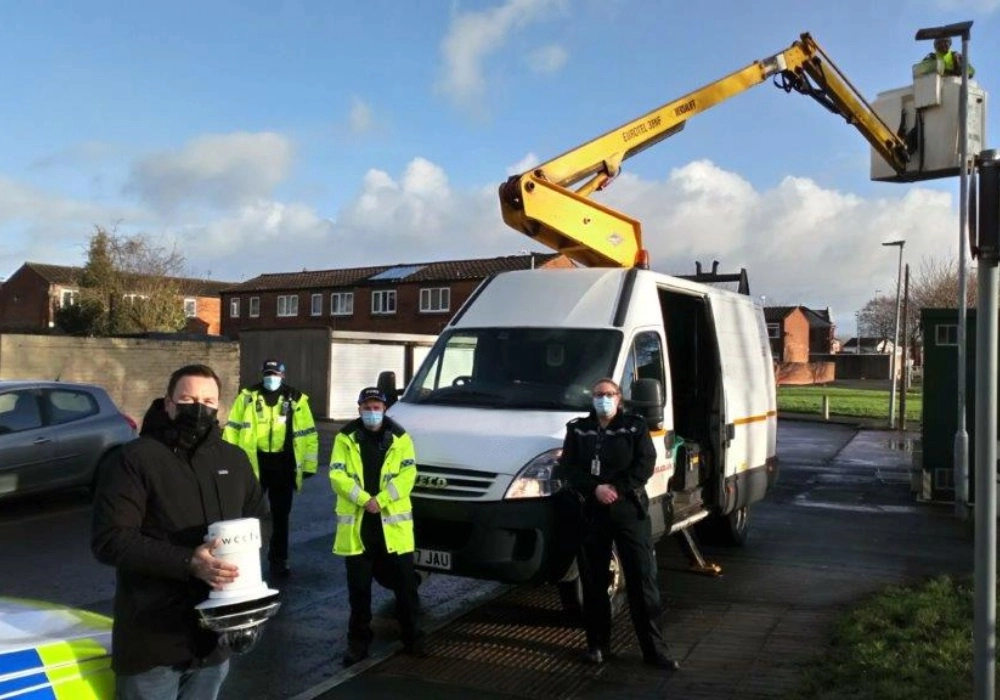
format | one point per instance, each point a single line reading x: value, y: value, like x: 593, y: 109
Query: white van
x: 488, y: 409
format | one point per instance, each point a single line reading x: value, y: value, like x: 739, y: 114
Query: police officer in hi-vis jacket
x: 274, y: 425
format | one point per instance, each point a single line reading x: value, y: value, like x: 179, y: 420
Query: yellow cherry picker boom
x: 542, y: 204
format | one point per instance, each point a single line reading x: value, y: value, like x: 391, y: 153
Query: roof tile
x: 440, y: 271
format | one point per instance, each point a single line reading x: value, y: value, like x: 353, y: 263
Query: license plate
x: 432, y: 559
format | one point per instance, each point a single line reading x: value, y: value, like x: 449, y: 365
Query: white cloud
x: 86, y: 153
x: 800, y: 242
x: 360, y: 120
x: 984, y: 6
x: 221, y: 171
x: 473, y: 36
x: 530, y: 160
x: 548, y: 59
x: 45, y: 226
x: 20, y: 203
x: 268, y: 233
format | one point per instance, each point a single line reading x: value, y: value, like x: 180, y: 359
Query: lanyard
x: 595, y: 463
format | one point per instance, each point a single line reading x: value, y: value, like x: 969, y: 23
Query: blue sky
x: 276, y: 136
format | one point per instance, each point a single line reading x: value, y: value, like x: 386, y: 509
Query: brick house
x: 796, y: 332
x: 30, y: 297
x: 404, y: 298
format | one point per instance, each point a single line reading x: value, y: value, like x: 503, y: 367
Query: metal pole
x: 961, y: 449
x: 906, y: 346
x: 895, y: 338
x: 857, y: 322
x: 986, y: 427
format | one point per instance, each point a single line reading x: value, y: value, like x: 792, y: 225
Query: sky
x: 269, y: 136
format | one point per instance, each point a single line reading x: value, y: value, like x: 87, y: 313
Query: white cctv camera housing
x: 238, y: 611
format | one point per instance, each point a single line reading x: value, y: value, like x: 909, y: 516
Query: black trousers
x: 392, y: 571
x: 277, y: 480
x: 624, y: 524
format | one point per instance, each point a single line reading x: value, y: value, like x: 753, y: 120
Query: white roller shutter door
x: 354, y: 366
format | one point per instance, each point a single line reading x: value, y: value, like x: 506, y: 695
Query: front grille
x: 448, y: 482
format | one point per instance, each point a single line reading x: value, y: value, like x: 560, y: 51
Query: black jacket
x: 627, y: 454
x: 151, y: 510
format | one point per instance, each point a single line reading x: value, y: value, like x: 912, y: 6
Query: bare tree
x: 878, y: 318
x: 128, y: 285
x: 935, y: 285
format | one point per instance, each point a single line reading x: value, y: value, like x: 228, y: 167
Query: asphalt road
x: 45, y: 550
x: 840, y: 524
x: 831, y: 488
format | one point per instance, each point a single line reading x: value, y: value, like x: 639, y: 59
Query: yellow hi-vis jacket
x: 392, y: 493
x: 950, y: 62
x: 254, y: 425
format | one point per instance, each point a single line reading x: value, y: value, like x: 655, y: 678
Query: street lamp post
x: 895, y: 337
x: 987, y: 332
x: 961, y: 446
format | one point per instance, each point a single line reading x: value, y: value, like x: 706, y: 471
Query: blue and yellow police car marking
x: 50, y: 652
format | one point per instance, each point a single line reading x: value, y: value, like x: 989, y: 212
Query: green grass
x: 844, y: 401
x: 906, y: 642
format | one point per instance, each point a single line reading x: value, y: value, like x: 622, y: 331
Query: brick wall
x: 407, y: 319
x: 209, y: 310
x: 133, y: 371
x: 796, y: 330
x: 805, y: 372
x: 24, y: 302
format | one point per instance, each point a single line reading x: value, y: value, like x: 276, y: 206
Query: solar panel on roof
x: 397, y: 273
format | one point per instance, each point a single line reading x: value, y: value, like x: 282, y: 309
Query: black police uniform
x: 622, y: 455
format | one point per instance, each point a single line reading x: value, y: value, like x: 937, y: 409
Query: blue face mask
x: 372, y: 419
x: 272, y: 382
x: 604, y: 405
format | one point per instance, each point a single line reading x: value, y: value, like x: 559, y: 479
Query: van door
x: 645, y: 360
x: 698, y: 398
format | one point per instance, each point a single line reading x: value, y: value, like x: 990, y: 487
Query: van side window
x: 645, y: 361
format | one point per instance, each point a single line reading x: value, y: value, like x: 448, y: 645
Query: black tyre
x: 571, y: 597
x: 571, y: 588
x: 725, y: 530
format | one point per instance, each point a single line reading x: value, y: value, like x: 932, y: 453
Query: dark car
x: 53, y: 435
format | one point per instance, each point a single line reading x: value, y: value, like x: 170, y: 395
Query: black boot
x: 354, y: 654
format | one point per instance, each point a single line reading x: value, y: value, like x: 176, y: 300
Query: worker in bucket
x: 607, y: 458
x: 949, y: 62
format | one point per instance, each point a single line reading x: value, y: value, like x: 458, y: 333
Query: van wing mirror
x: 647, y: 401
x: 387, y: 385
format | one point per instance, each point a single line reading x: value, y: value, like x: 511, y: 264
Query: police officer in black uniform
x: 607, y: 458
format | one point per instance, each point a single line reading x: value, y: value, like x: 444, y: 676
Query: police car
x: 52, y: 652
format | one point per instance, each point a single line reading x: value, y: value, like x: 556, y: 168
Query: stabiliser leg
x: 695, y: 559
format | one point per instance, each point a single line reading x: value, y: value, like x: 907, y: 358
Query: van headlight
x: 535, y: 478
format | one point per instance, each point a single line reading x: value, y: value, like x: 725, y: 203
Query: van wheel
x: 571, y: 588
x: 725, y: 530
x: 571, y: 597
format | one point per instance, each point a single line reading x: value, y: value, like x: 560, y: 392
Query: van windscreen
x: 530, y: 368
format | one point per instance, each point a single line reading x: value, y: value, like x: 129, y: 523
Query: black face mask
x: 193, y: 421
